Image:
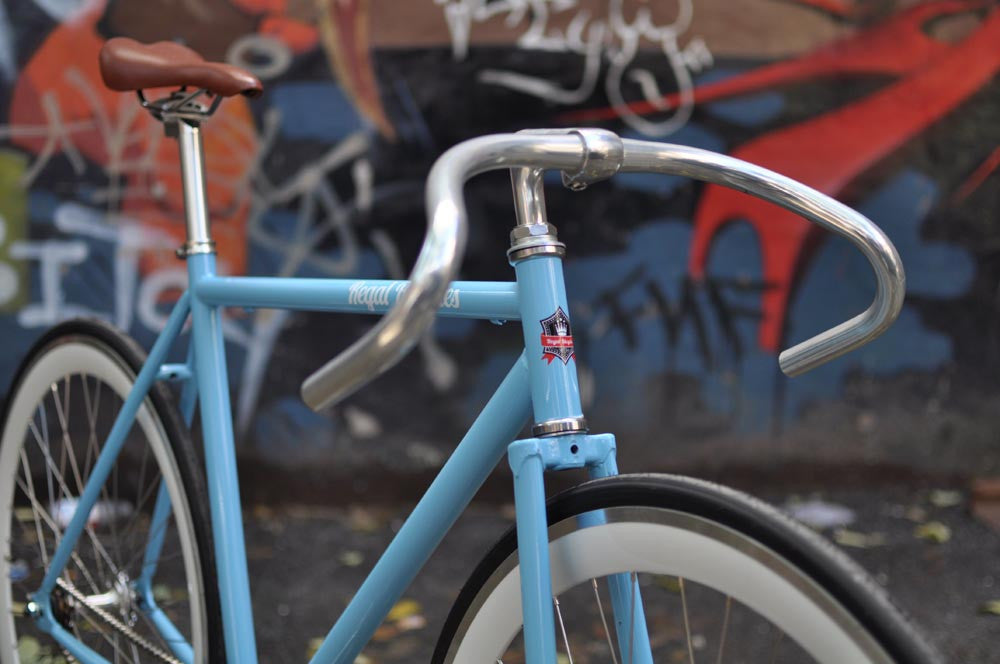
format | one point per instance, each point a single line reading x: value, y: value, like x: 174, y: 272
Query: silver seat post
x: 199, y: 239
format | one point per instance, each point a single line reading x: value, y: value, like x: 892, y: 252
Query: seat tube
x: 215, y: 410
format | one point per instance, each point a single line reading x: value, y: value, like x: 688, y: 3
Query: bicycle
x: 116, y: 546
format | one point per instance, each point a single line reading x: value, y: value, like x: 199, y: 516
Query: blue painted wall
x: 322, y: 176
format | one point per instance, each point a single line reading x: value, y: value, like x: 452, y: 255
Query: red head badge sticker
x: 557, y: 337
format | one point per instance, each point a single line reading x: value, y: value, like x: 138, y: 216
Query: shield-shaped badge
x: 557, y: 337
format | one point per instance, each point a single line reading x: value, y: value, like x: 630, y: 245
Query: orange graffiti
x: 345, y: 32
x: 298, y: 36
x: 62, y: 85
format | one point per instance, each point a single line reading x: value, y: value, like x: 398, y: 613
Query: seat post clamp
x: 191, y: 248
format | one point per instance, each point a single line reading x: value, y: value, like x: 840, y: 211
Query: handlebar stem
x: 529, y: 196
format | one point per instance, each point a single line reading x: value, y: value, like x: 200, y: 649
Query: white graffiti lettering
x: 323, y: 238
x: 612, y: 38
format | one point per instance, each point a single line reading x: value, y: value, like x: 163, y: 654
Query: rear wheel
x: 722, y: 578
x: 60, y: 409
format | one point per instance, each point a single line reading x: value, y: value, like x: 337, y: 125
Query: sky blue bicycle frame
x: 540, y: 381
x: 542, y: 384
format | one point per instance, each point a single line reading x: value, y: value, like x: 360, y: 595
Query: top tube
x: 486, y: 300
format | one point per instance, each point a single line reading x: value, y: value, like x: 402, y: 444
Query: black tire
x: 800, y: 547
x: 130, y: 356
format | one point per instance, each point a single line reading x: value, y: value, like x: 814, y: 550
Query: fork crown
x: 594, y: 451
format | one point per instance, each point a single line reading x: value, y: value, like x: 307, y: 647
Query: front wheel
x: 722, y: 578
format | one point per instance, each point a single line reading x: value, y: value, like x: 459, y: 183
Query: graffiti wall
x: 682, y: 294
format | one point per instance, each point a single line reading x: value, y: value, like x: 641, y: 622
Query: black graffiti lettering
x: 716, y: 309
x: 673, y: 316
x: 621, y: 318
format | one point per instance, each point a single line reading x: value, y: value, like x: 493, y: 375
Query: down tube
x: 480, y: 451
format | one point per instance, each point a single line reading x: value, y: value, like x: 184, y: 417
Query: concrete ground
x: 921, y: 541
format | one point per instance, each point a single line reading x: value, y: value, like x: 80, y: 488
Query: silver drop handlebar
x: 587, y: 155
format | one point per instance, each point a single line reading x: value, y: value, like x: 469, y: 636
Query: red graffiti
x: 978, y: 176
x: 841, y: 8
x: 282, y: 22
x: 895, y: 47
x: 345, y: 32
x: 297, y: 35
x: 829, y: 152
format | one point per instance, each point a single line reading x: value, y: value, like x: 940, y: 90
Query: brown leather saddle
x: 129, y: 65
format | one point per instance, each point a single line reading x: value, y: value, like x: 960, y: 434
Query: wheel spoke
x: 725, y: 629
x: 154, y: 630
x: 562, y: 627
x: 87, y: 528
x: 63, y: 428
x: 30, y: 492
x: 687, y: 620
x: 112, y: 506
x: 135, y: 652
x: 61, y: 412
x: 92, y: 404
x: 141, y: 550
x: 104, y: 634
x: 142, y: 496
x: 42, y: 440
x: 604, y: 621
x: 775, y: 643
x: 634, y: 595
x: 133, y: 519
x: 39, y: 511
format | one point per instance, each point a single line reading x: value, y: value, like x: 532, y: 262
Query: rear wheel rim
x: 70, y: 376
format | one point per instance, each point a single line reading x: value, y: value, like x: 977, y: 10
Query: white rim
x: 674, y: 544
x: 80, y: 357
